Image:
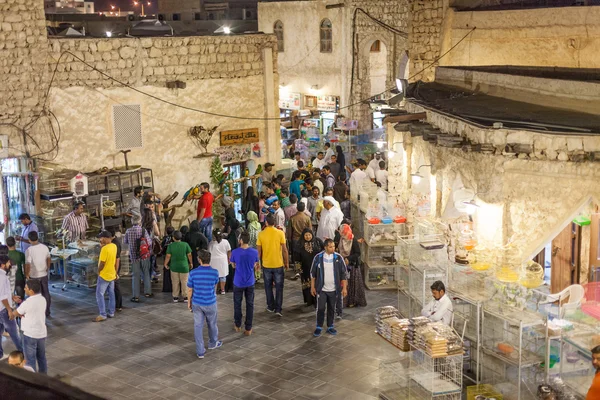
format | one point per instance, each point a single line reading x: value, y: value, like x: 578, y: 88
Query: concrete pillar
x: 271, y: 126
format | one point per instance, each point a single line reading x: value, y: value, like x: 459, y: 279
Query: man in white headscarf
x: 331, y: 218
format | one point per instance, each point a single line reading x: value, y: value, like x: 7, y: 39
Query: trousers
x: 326, y: 300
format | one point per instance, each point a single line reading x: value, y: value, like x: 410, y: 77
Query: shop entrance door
x: 239, y: 188
x: 594, y: 274
x: 565, y: 262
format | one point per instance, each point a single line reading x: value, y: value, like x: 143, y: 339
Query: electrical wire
x: 413, y: 75
x: 167, y: 101
x: 303, y: 58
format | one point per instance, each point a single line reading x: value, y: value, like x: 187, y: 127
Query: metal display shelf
x: 435, y: 378
x: 514, y: 337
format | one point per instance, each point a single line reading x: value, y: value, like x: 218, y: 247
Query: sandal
x: 135, y: 299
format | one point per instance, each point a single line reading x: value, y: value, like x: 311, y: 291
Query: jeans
x: 277, y: 275
x: 101, y: 288
x: 238, y: 294
x: 325, y: 299
x: 208, y: 313
x: 141, y: 267
x: 206, y: 225
x: 13, y: 330
x: 339, y: 304
x: 20, y: 287
x: 45, y: 292
x: 35, y: 350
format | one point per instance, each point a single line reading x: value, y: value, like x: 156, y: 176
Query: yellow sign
x: 239, y: 136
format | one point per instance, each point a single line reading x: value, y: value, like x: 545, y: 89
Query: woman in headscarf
x: 197, y: 241
x: 305, y: 251
x: 254, y: 229
x: 250, y: 203
x: 341, y: 159
x: 220, y: 252
x: 349, y: 248
x: 231, y: 230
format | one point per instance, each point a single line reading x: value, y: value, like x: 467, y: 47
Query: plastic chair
x: 575, y: 293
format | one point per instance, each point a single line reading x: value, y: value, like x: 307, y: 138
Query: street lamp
x: 135, y: 3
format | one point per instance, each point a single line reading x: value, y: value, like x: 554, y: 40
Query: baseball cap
x: 105, y: 234
x: 267, y: 165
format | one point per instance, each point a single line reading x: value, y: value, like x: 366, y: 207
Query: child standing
x: 179, y: 254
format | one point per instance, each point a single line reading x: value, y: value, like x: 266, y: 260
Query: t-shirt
x: 33, y: 323
x: 108, y: 254
x: 381, y: 176
x: 270, y: 240
x: 594, y: 391
x: 329, y: 277
x: 202, y: 281
x: 5, y: 292
x: 179, y: 260
x: 206, y: 202
x: 295, y: 188
x: 244, y: 260
x: 36, y: 257
x: 17, y: 259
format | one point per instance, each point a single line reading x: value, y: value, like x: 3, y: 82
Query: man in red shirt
x: 204, y: 213
x: 594, y: 392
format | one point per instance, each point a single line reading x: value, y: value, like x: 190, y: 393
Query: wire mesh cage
x: 393, y: 373
x: 435, y: 378
x: 467, y: 319
x: 403, y: 276
x: 420, y: 282
x: 425, y: 251
x: 377, y: 257
x: 377, y: 235
x: 467, y: 283
x: 404, y: 304
x: 381, y: 278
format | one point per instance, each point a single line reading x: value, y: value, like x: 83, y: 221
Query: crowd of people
x: 302, y: 225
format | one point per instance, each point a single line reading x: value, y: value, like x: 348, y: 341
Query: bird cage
x: 437, y: 378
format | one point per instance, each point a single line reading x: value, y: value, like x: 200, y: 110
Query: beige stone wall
x: 158, y: 60
x: 301, y: 64
x: 425, y: 37
x: 562, y: 37
x: 23, y: 45
x: 529, y: 199
x: 393, y: 13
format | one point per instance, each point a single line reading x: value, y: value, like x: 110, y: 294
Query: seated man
x: 440, y: 308
x: 17, y: 359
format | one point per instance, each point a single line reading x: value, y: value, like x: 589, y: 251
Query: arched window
x: 278, y: 30
x: 325, y: 36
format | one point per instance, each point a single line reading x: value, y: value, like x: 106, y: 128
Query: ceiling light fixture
x: 392, y: 153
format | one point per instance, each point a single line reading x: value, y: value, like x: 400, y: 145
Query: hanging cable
x: 163, y: 100
x: 413, y: 75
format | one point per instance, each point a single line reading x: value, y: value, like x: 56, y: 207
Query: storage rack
x: 575, y: 366
x: 437, y: 378
x: 467, y: 288
x: 524, y: 329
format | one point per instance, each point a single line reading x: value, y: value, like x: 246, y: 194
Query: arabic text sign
x: 239, y: 136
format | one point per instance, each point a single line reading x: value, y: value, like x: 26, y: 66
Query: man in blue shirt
x: 202, y: 300
x: 245, y: 262
x: 28, y: 226
x: 297, y: 184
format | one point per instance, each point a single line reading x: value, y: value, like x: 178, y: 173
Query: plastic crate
x: 591, y: 306
x: 486, y: 390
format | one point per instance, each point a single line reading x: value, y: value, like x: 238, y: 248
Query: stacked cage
x: 435, y: 378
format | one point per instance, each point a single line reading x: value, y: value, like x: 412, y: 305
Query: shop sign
x: 327, y: 103
x: 289, y: 101
x: 239, y: 136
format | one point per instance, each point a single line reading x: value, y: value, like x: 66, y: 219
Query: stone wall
x: 157, y: 60
x: 23, y: 45
x: 551, y: 37
x: 425, y: 37
x: 393, y: 13
x: 530, y: 199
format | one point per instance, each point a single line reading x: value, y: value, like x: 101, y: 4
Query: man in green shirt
x: 17, y: 259
x: 179, y: 261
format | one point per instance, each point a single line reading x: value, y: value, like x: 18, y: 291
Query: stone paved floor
x: 148, y: 351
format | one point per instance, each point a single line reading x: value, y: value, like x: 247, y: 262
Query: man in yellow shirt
x: 107, y: 274
x: 272, y: 251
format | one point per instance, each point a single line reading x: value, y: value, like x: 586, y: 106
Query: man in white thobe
x: 440, y: 308
x: 331, y: 218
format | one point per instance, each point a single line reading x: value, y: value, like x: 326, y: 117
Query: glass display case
x: 53, y: 213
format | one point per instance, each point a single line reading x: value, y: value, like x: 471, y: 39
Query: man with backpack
x: 139, y: 253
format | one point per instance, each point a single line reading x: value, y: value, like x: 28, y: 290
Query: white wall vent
x: 127, y: 126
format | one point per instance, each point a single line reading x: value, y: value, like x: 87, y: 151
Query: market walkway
x: 148, y: 352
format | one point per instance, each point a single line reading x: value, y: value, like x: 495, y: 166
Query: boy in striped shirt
x: 202, y: 300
